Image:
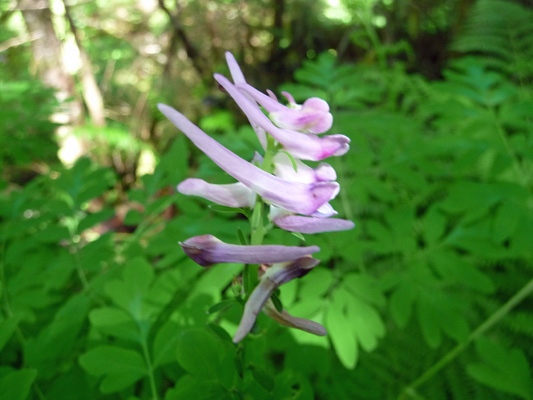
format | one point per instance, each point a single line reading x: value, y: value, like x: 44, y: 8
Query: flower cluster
x: 298, y: 196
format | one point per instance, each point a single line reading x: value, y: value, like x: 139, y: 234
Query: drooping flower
x: 286, y: 319
x: 274, y: 277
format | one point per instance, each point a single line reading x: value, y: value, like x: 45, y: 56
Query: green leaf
x: 119, y: 367
x: 130, y: 292
x: 7, y: 328
x: 292, y: 160
x: 115, y: 322
x: 242, y: 238
x: 502, y: 369
x: 402, y: 303
x: 457, y: 269
x: 56, y: 341
x: 434, y: 225
x: 299, y: 236
x: 506, y: 220
x: 93, y: 219
x: 16, y: 385
x: 206, y: 357
x: 316, y: 284
x: 224, y: 209
x: 277, y: 302
x: 249, y: 278
x: 133, y: 217
x: 190, y: 387
x: 366, y: 324
x: 264, y: 378
x: 364, y: 287
x: 165, y: 343
x: 340, y: 333
x: 428, y: 319
x: 223, y: 305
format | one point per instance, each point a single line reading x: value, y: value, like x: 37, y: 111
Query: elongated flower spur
x: 298, y: 196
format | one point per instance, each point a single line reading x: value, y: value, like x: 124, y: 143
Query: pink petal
x: 234, y: 69
x: 232, y: 195
x: 309, y: 225
x: 301, y: 145
x: 296, y: 197
x: 238, y: 78
x: 284, y: 169
x: 313, y: 116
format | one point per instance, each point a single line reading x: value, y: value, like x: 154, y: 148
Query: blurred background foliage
x: 428, y: 298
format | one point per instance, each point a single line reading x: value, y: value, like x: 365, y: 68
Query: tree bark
x: 91, y: 92
x: 190, y: 49
x: 48, y: 61
x: 46, y: 48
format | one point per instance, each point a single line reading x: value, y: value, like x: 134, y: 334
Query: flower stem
x: 480, y: 330
x: 249, y: 275
x: 150, y: 368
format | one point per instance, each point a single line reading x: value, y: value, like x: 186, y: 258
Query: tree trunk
x: 48, y: 61
x: 91, y: 92
x: 188, y: 45
x: 46, y: 48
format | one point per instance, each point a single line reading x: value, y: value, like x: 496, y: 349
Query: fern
x: 501, y: 32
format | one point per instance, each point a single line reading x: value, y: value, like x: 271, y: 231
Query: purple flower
x: 286, y: 319
x: 313, y: 116
x: 304, y: 146
x: 207, y: 250
x: 275, y: 276
x: 310, y: 225
x: 232, y: 195
x: 238, y: 78
x: 300, y: 198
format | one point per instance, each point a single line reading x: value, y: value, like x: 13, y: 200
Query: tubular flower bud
x: 207, y: 250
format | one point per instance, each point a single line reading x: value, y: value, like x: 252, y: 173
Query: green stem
x: 256, y: 224
x: 150, y: 368
x: 257, y: 229
x: 516, y: 164
x: 79, y: 268
x: 374, y: 39
x: 480, y: 330
x: 5, y: 298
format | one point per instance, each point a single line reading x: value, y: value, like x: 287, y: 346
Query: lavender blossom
x: 301, y: 145
x: 274, y: 277
x: 296, y: 197
x: 312, y: 117
x: 232, y: 195
x: 207, y: 250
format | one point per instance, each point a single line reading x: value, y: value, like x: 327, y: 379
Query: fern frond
x: 520, y: 322
x: 501, y: 32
